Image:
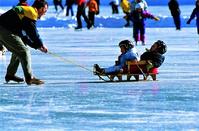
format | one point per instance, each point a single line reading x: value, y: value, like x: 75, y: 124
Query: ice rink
x: 72, y: 98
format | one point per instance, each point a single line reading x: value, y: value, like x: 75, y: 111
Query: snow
x: 72, y: 98
x: 107, y: 20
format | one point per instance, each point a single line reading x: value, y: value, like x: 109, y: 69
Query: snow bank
x: 111, y: 22
x: 107, y: 20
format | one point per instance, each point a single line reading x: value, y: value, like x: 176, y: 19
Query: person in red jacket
x: 92, y: 10
x: 81, y: 12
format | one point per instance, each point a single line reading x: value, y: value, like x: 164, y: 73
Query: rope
x: 141, y: 70
x: 68, y: 61
x: 72, y: 62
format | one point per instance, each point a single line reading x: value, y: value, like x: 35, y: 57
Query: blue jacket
x: 131, y: 54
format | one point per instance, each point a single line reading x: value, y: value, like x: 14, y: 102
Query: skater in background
x: 128, y: 52
x: 139, y: 16
x: 92, y: 10
x: 22, y: 3
x: 12, y: 23
x: 154, y: 55
x: 58, y: 3
x: 134, y: 2
x: 69, y: 7
x: 175, y: 12
x: 195, y: 13
x: 81, y: 4
x: 126, y: 7
x: 114, y: 5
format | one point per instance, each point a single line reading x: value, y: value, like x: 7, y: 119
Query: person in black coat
x: 58, y: 3
x: 154, y: 55
x: 69, y: 4
x: 175, y: 12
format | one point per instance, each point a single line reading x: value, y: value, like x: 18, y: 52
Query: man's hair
x: 39, y: 4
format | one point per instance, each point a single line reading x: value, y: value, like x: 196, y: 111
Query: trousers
x: 20, y: 53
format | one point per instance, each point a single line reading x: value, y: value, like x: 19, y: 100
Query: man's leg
x: 85, y: 17
x: 13, y: 66
x: 20, y: 53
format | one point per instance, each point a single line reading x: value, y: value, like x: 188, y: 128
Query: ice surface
x: 72, y: 98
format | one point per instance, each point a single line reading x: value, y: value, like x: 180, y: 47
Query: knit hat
x: 139, y: 6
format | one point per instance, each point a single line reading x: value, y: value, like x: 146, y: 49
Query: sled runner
x: 134, y: 68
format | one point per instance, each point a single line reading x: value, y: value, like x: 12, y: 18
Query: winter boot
x: 78, y: 27
x: 34, y: 81
x: 97, y: 70
x: 142, y: 38
x: 13, y: 78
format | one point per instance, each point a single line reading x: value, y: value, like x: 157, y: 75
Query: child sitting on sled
x: 128, y: 52
x: 154, y: 55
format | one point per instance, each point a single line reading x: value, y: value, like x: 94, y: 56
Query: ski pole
x: 68, y: 61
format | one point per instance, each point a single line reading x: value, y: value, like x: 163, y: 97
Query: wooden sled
x: 134, y: 68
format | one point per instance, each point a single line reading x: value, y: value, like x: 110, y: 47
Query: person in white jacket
x: 134, y: 2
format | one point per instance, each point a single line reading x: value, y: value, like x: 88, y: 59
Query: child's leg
x: 112, y: 69
x: 142, y: 37
x: 142, y: 34
x: 135, y: 33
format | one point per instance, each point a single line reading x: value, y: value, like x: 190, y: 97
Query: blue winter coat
x: 129, y: 55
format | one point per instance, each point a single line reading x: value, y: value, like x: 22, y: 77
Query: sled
x: 134, y: 68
